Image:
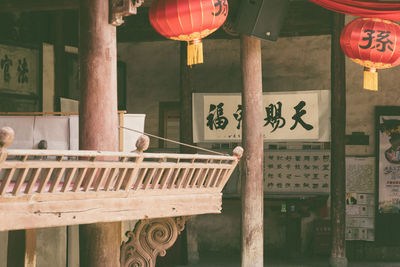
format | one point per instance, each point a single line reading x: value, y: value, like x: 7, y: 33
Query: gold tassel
x: 194, y: 52
x: 370, y: 79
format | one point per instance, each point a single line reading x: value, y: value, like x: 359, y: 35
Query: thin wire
x: 172, y: 141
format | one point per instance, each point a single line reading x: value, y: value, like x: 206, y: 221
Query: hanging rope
x: 175, y: 142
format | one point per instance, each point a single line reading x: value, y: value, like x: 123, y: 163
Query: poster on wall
x: 388, y: 163
x: 19, y: 70
x: 360, y: 198
x: 297, y: 115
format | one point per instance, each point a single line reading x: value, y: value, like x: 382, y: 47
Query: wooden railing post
x: 6, y: 138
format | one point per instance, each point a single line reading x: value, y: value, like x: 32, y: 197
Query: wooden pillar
x: 338, y: 126
x: 186, y: 90
x: 189, y: 234
x: 252, y: 186
x: 98, y: 121
x: 21, y: 250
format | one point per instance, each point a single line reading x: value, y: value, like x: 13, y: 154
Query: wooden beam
x: 252, y: 186
x: 338, y: 128
x: 36, y: 5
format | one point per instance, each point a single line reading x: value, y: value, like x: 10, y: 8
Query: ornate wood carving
x: 149, y: 239
x: 121, y: 9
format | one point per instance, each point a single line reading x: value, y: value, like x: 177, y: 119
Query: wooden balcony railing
x: 41, y: 188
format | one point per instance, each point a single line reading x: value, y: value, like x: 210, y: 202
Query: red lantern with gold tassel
x: 188, y: 20
x: 373, y: 43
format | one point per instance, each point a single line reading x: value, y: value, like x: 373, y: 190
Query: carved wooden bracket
x: 149, y: 239
x: 122, y: 8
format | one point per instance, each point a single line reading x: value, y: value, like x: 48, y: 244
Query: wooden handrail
x: 36, y: 184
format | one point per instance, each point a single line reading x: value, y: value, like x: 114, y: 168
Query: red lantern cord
x: 372, y: 9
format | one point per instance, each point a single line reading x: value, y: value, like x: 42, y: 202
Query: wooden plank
x: 149, y: 178
x: 79, y: 179
x: 91, y: 153
x: 56, y: 180
x: 45, y: 179
x: 6, y: 181
x: 157, y: 178
x: 166, y: 178
x: 171, y: 182
x: 210, y: 176
x: 49, y: 214
x: 224, y: 173
x: 189, y: 177
x: 20, y: 180
x: 68, y: 179
x: 107, y: 164
x: 30, y: 248
x: 215, y: 178
x: 139, y: 180
x: 100, y: 180
x: 181, y: 177
x: 203, y: 176
x: 89, y: 178
x: 111, y: 178
x: 121, y: 131
x: 120, y: 178
x: 32, y: 180
x: 195, y: 177
x: 127, y: 184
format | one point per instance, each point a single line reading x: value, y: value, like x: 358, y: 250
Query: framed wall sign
x: 20, y: 78
x: 388, y: 159
x: 387, y: 143
x: 19, y: 70
x: 288, y: 116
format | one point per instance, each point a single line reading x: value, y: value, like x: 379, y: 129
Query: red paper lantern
x: 188, y: 20
x: 373, y: 43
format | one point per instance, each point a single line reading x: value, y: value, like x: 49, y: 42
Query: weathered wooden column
x: 98, y: 122
x: 252, y: 185
x: 338, y: 127
x: 186, y: 137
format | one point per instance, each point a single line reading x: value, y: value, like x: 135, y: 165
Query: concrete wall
x: 299, y: 63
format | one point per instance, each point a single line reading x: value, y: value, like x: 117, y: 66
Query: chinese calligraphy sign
x: 297, y: 171
x: 286, y: 117
x: 19, y: 70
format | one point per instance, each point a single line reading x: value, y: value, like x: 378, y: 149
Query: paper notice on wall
x: 353, y: 210
x: 23, y: 128
x: 52, y: 129
x: 360, y: 174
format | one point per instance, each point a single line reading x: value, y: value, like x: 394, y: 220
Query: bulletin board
x: 297, y: 172
x: 360, y: 198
